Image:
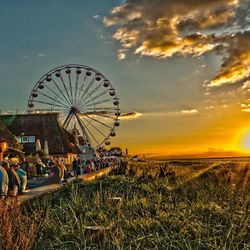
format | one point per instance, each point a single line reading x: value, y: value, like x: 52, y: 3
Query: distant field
x: 157, y: 205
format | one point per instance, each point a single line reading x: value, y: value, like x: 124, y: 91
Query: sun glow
x: 244, y: 140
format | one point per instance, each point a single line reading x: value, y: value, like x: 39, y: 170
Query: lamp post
x: 3, y: 147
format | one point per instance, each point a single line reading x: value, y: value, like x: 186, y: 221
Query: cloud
x: 244, y: 96
x: 135, y: 115
x: 245, y: 107
x: 167, y: 28
x: 246, y: 86
x: 172, y: 113
x: 97, y: 17
x: 235, y: 67
x: 191, y: 111
x: 130, y: 115
x: 40, y: 55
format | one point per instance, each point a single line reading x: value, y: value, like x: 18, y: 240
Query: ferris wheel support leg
x: 83, y: 128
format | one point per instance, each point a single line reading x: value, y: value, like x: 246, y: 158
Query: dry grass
x: 204, y: 212
x: 19, y: 228
x: 206, y: 207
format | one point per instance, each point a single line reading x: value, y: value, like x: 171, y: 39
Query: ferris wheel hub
x: 74, y: 111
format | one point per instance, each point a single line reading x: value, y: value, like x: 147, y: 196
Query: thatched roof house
x: 6, y: 135
x: 29, y: 128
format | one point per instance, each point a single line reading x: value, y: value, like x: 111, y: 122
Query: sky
x: 182, y: 67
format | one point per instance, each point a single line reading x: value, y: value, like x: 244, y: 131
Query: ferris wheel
x: 85, y: 99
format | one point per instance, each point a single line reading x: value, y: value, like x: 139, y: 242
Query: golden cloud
x: 164, y: 28
x: 236, y: 65
x: 191, y: 111
x: 245, y: 107
x: 156, y: 28
x: 135, y: 115
x: 171, y: 113
x: 129, y: 115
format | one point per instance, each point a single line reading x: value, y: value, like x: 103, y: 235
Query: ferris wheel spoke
x: 86, y: 90
x: 100, y: 113
x: 56, y: 94
x: 66, y: 90
x: 95, y: 127
x: 101, y: 109
x: 94, y: 98
x: 103, y: 115
x: 81, y: 88
x: 89, y: 94
x: 99, y: 122
x: 53, y: 99
x: 76, y: 86
x: 94, y: 112
x: 60, y: 90
x: 100, y: 102
x: 49, y: 103
x: 70, y: 86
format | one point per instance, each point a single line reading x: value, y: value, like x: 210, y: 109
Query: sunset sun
x: 245, y: 141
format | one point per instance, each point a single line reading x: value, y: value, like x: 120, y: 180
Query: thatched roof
x: 44, y: 127
x: 6, y: 135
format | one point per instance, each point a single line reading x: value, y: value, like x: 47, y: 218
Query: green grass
x: 206, y: 208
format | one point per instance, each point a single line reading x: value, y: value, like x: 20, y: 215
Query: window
x: 25, y: 139
x: 32, y: 139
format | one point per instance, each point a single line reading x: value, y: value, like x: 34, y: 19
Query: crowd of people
x: 14, y: 173
x: 84, y: 167
x: 13, y: 179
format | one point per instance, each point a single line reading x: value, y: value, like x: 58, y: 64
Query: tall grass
x: 208, y: 210
x: 20, y: 228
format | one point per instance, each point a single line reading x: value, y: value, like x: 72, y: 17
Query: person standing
x: 14, y: 180
x: 22, y: 176
x: 55, y: 175
x: 62, y: 167
x: 76, y: 167
x: 39, y: 168
x: 25, y: 166
x: 4, y: 182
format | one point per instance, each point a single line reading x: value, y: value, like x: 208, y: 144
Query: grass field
x: 180, y: 205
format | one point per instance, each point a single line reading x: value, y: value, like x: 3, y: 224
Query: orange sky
x: 224, y: 129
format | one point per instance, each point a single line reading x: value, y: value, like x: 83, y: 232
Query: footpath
x: 47, y: 189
